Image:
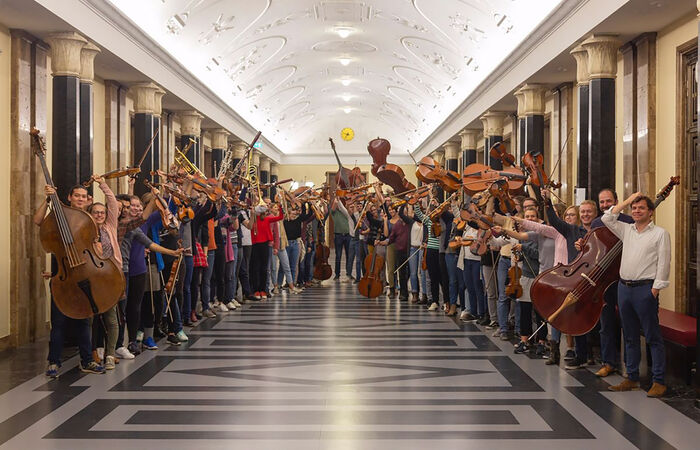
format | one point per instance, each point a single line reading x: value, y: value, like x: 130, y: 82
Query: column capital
x: 602, y: 56
x: 580, y: 54
x: 274, y: 168
x: 190, y: 123
x: 87, y: 62
x: 239, y: 148
x: 219, y: 138
x: 144, y: 97
x: 493, y: 123
x: 469, y: 138
x: 520, y: 97
x: 65, y: 53
x: 451, y: 149
x: 439, y: 156
x: 158, y: 101
x: 264, y: 163
x: 532, y: 100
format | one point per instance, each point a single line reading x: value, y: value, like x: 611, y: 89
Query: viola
x: 570, y: 296
x: 499, y: 190
x: 424, y: 261
x: 172, y: 278
x: 435, y: 214
x: 514, y: 289
x: 534, y: 164
x: 371, y: 285
x: 478, y: 177
x: 166, y: 216
x: 86, y: 283
x: 429, y: 171
x: 480, y: 245
x: 459, y: 241
x: 499, y: 151
x: 389, y: 174
x: 118, y: 173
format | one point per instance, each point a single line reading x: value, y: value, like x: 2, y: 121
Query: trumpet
x: 254, y: 180
x: 184, y: 163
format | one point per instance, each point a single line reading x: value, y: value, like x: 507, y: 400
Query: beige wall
x: 667, y: 139
x: 98, y: 137
x: 5, y: 300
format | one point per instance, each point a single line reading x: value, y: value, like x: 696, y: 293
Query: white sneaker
x: 276, y: 290
x: 433, y: 307
x: 109, y: 363
x: 231, y: 306
x: 123, y: 353
x: 296, y: 291
x: 235, y: 304
x: 139, y: 336
x: 101, y: 353
x: 223, y: 307
x: 463, y: 315
x: 181, y: 336
x: 209, y: 313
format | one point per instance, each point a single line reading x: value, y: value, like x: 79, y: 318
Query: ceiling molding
x: 107, y: 26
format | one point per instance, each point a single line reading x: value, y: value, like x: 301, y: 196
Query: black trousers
x: 220, y: 274
x: 444, y: 278
x: 258, y: 266
x: 401, y: 257
x: 243, y: 268
x: 433, y: 262
x: 134, y: 298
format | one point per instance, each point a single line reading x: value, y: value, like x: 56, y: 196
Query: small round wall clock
x: 347, y: 134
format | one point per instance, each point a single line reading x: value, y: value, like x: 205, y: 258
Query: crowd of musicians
x: 433, y: 247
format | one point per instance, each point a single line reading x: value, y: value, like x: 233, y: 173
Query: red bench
x: 680, y: 330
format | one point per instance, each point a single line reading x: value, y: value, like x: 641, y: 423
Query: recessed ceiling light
x: 345, y: 82
x: 346, y: 97
x: 344, y: 61
x: 344, y: 32
x: 347, y: 110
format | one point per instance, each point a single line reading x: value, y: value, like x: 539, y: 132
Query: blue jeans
x: 309, y: 264
x: 206, y: 280
x: 639, y: 309
x: 293, y: 251
x: 186, y: 289
x: 413, y: 267
x: 610, y: 330
x: 353, y: 251
x: 283, y: 268
x: 475, y: 287
x: 455, y: 276
x: 231, y: 278
x: 342, y: 241
x: 503, y: 301
x: 59, y: 322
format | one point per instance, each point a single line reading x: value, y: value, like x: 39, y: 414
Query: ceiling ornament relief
x: 302, y: 69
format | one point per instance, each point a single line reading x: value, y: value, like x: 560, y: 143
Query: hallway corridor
x: 331, y: 370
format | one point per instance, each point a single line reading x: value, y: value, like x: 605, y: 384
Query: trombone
x: 184, y: 163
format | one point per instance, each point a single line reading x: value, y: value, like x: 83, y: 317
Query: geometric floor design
x: 332, y: 370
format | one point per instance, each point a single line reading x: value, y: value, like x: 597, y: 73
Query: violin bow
x: 566, y: 141
x: 148, y: 149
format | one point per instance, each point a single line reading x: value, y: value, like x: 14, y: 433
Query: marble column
x: 602, y: 67
x: 582, y: 79
x: 533, y: 117
x: 562, y: 144
x: 646, y: 112
x: 116, y: 118
x: 156, y: 154
x: 191, y: 128
x: 451, y: 149
x: 439, y: 157
x: 27, y: 259
x: 265, y: 173
x: 468, y: 147
x: 629, y: 119
x: 274, y: 177
x: 65, y: 136
x: 144, y: 127
x: 87, y: 110
x: 518, y: 150
x: 493, y: 133
x: 219, y: 146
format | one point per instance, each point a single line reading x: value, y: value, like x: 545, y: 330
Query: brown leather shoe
x: 605, y: 371
x: 626, y: 385
x: 657, y: 390
x: 453, y: 310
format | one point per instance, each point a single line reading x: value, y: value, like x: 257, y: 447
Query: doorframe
x: 682, y: 234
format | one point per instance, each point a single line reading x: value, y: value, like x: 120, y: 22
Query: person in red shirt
x: 261, y: 236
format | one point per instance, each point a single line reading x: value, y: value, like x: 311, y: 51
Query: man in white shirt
x: 644, y: 271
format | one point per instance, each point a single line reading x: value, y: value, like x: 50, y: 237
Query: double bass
x: 370, y: 284
x: 86, y: 283
x: 570, y: 297
x: 389, y: 174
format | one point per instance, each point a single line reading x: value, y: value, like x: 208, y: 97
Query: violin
x: 166, y: 216
x: 172, y: 278
x: 534, y: 164
x: 86, y: 283
x: 118, y: 173
x: 371, y: 285
x: 429, y: 171
x: 499, y: 190
x: 435, y: 214
x: 389, y: 174
x: 413, y: 197
x: 499, y: 151
x: 514, y: 289
x: 459, y: 241
x: 478, y: 177
x: 570, y: 296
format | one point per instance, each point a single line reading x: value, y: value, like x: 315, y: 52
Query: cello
x: 86, y: 284
x: 570, y: 297
x: 322, y: 270
x: 389, y: 174
x: 370, y: 284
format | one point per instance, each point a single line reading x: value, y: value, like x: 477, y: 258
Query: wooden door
x: 690, y: 177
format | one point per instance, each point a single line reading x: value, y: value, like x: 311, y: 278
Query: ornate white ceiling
x: 279, y: 63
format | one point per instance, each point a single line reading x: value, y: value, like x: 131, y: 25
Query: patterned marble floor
x: 331, y: 370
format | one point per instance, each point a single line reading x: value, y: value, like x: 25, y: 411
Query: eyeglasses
x: 570, y: 214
